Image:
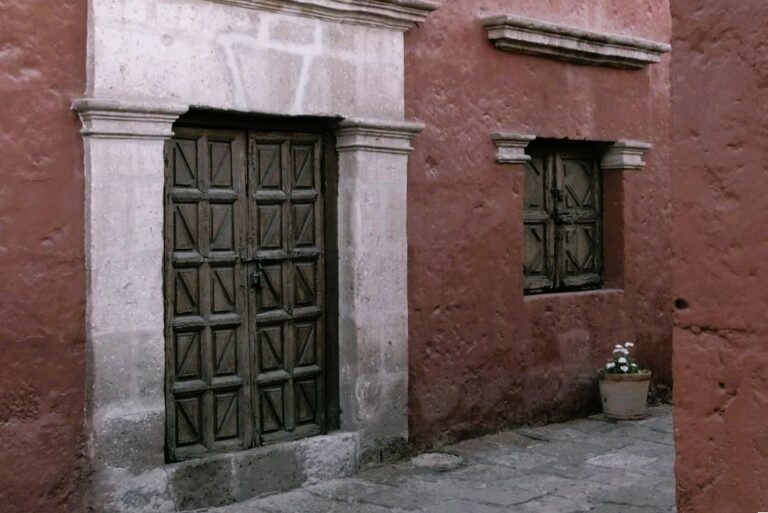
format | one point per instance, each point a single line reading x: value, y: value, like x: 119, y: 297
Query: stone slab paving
x: 584, y: 465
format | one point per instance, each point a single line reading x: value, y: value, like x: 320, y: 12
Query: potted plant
x: 624, y: 385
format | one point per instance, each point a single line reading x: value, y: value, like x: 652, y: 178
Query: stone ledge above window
x: 623, y: 154
x: 389, y: 14
x: 566, y: 43
x: 510, y: 147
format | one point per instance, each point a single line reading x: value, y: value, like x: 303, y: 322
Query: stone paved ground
x: 584, y: 465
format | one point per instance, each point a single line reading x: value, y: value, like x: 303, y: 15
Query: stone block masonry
x: 150, y: 61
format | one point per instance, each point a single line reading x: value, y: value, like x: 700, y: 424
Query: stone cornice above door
x: 562, y: 42
x: 376, y: 135
x: 389, y: 14
x: 119, y: 119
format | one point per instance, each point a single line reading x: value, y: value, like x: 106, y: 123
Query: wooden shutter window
x: 538, y: 224
x: 562, y: 218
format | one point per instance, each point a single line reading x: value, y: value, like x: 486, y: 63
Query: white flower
x: 624, y: 368
x: 619, y: 346
x: 634, y: 365
x: 622, y: 360
x: 610, y: 365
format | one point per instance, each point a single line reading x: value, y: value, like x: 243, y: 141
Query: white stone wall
x: 151, y: 60
x: 208, y: 54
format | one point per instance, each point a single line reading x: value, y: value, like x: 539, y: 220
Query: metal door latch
x: 256, y: 276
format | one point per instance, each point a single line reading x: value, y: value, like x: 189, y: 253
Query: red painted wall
x: 42, y: 291
x: 482, y: 356
x: 720, y: 166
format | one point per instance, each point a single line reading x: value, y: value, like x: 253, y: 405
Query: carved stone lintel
x: 510, y: 147
x: 625, y: 155
x: 566, y: 43
x: 118, y: 119
x: 389, y: 14
x: 376, y: 135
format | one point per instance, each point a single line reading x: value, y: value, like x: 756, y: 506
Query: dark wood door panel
x: 245, y: 270
x: 287, y: 313
x: 207, y: 375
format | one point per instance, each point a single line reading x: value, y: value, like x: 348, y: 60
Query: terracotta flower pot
x: 624, y: 396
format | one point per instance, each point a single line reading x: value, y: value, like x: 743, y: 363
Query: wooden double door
x: 245, y: 297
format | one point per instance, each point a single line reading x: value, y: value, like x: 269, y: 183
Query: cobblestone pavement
x: 584, y: 465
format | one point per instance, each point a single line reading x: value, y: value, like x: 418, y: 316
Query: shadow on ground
x: 584, y: 465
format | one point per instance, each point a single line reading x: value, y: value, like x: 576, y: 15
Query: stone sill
x: 571, y: 44
x: 585, y: 294
x: 221, y: 479
x: 388, y: 14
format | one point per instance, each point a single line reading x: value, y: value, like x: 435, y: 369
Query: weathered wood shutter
x: 538, y: 223
x: 562, y: 218
x: 579, y: 251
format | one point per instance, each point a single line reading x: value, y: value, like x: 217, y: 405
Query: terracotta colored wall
x: 42, y: 282
x: 720, y: 164
x: 482, y: 356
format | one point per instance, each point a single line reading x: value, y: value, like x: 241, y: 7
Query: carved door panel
x: 287, y: 313
x: 244, y: 290
x: 207, y: 373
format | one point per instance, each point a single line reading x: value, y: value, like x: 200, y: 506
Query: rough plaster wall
x: 720, y: 156
x: 482, y: 356
x: 42, y: 67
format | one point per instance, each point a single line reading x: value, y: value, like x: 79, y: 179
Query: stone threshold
x: 239, y: 476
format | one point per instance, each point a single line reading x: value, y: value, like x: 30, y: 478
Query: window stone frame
x: 620, y: 155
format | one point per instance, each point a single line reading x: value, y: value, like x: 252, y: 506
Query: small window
x: 562, y: 217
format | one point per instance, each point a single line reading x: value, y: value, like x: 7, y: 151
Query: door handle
x: 256, y: 276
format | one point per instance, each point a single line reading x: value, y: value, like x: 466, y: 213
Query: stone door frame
x: 125, y: 125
